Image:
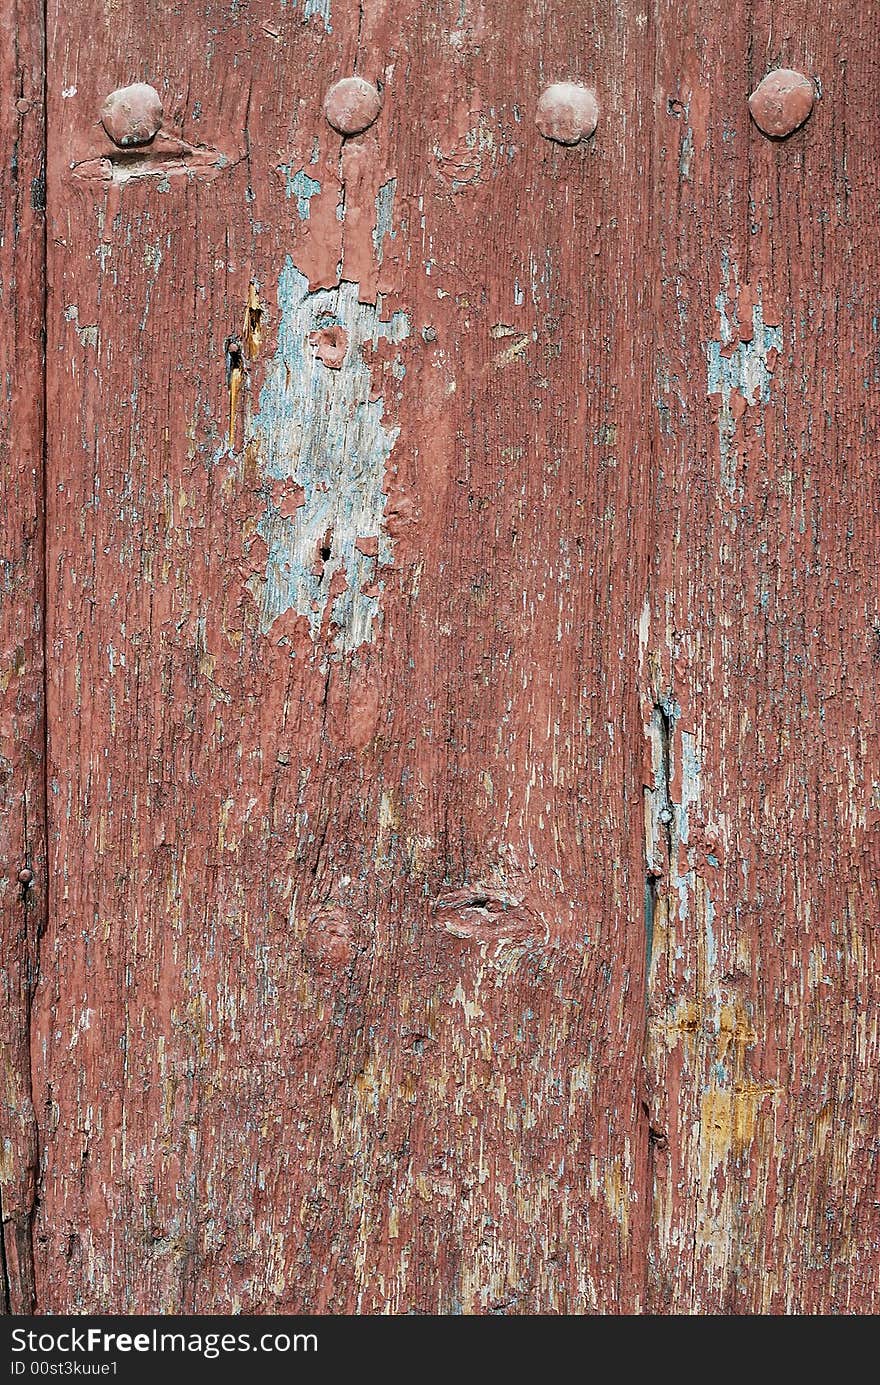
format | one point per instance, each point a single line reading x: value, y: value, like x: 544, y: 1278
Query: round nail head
x: 567, y: 113
x: 781, y: 102
x: 351, y: 105
x: 25, y: 876
x: 132, y: 115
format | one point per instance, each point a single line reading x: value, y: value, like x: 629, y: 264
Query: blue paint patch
x: 322, y: 9
x: 384, y: 214
x: 320, y: 429
x: 302, y: 187
x: 744, y: 369
x: 319, y: 7
x: 711, y: 953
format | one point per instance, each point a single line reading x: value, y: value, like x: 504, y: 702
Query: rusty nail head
x: 782, y: 102
x: 132, y: 115
x: 23, y: 106
x: 567, y: 112
x: 351, y: 105
x: 25, y: 876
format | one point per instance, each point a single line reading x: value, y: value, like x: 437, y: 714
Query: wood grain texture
x: 763, y: 647
x: 532, y: 602
x: 22, y: 835
x: 342, y: 998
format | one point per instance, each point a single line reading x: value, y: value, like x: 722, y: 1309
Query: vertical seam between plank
x: 43, y: 920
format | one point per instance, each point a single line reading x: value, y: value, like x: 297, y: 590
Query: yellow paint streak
x: 252, y: 328
x: 735, y: 1030
x: 615, y: 1195
x: 234, y: 387
x: 511, y: 353
x: 728, y: 1117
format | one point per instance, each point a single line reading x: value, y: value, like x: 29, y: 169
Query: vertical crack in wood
x: 5, y: 1298
x: 40, y: 923
x: 23, y: 240
x: 659, y: 817
x: 659, y: 729
x: 357, y: 41
x: 234, y: 360
x: 252, y: 327
x: 661, y: 843
x: 35, y: 915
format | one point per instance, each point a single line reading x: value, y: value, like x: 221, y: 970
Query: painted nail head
x: 351, y: 105
x: 331, y: 344
x: 132, y: 115
x: 567, y: 112
x: 782, y: 102
x: 25, y: 876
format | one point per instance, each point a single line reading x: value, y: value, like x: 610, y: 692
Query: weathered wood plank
x: 762, y: 655
x: 343, y: 1004
x: 496, y: 620
x: 23, y: 874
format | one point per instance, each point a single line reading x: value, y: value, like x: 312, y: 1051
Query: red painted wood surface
x: 462, y: 789
x: 763, y: 638
x: 22, y: 827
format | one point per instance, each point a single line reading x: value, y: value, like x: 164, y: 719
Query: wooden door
x: 440, y: 643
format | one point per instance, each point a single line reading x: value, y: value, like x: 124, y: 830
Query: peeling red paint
x: 522, y: 958
x: 23, y: 874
